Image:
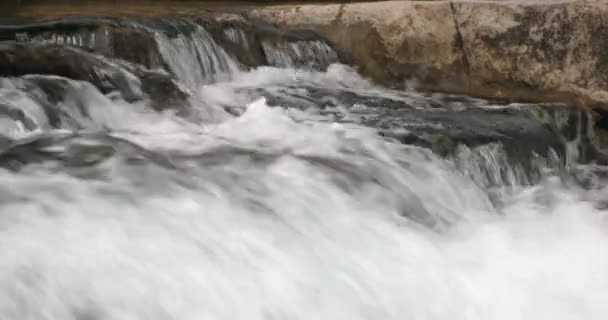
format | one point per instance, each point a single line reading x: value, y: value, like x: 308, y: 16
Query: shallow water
x: 288, y: 194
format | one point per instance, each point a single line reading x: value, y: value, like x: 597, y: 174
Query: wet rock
x: 133, y: 82
x: 254, y: 43
x: 72, y: 150
x: 18, y: 60
x: 165, y: 43
x: 16, y: 115
x: 111, y: 38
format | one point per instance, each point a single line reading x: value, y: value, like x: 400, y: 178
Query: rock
x: 72, y: 150
x: 153, y: 42
x: 132, y: 81
x: 111, y: 38
x: 547, y: 51
x: 18, y: 60
x: 393, y: 42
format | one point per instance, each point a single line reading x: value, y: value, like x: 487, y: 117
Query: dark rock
x: 108, y: 37
x: 72, y: 150
x: 131, y: 81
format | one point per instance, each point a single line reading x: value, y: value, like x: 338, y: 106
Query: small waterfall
x: 300, y: 53
x: 133, y: 42
x: 87, y: 40
x: 19, y: 113
x: 489, y: 166
x: 492, y: 168
x: 572, y: 127
x: 182, y: 47
x: 46, y: 102
x: 195, y: 58
x: 236, y: 36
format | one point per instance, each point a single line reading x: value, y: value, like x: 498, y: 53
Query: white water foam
x: 318, y: 232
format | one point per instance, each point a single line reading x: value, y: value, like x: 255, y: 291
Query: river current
x: 286, y: 192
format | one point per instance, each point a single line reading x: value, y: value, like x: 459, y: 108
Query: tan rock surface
x: 518, y: 50
x: 539, y: 51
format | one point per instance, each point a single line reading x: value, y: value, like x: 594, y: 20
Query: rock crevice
x: 460, y: 41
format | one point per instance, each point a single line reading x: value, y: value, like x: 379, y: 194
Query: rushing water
x: 292, y: 194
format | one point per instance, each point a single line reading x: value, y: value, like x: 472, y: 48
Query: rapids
x: 292, y: 192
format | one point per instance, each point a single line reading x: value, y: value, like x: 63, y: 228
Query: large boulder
x: 514, y: 50
x: 537, y: 50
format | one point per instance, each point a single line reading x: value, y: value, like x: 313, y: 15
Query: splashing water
x: 290, y: 205
x: 299, y: 53
x: 195, y: 58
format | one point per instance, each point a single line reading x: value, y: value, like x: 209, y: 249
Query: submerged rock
x: 162, y: 59
x: 523, y: 139
x: 72, y: 150
x: 391, y: 41
x: 144, y: 40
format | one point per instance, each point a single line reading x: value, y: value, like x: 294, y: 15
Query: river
x: 293, y: 190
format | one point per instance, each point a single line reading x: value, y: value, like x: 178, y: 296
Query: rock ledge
x: 513, y: 50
